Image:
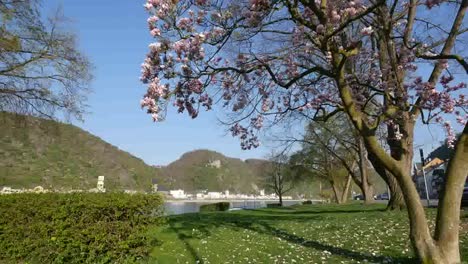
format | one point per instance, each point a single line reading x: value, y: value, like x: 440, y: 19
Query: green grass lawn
x: 300, y: 234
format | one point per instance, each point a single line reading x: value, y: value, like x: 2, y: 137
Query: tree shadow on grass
x: 326, y: 209
x: 264, y: 228
x: 184, y: 239
x: 258, y: 221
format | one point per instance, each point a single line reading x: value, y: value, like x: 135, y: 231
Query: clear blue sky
x: 114, y: 35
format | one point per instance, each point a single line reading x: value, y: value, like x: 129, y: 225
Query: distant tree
x: 41, y: 69
x: 278, y: 175
x: 338, y: 138
x: 323, y: 157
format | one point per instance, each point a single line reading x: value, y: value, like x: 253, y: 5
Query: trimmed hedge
x: 273, y: 205
x: 221, y: 206
x: 77, y: 228
x: 307, y: 202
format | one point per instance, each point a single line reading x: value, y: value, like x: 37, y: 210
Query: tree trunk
x: 448, y: 214
x: 396, y: 201
x: 335, y: 192
x: 344, y: 194
x: 443, y: 248
x: 280, y: 195
x: 366, y: 186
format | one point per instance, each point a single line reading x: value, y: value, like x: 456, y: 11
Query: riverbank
x: 193, y: 206
x: 231, y: 200
x: 299, y: 234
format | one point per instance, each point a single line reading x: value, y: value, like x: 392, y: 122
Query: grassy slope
x: 43, y: 152
x: 301, y: 234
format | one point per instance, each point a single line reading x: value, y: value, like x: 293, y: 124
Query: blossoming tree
x: 265, y: 61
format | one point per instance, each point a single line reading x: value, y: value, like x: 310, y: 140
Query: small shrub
x: 307, y: 202
x: 273, y: 205
x: 221, y: 206
x: 77, y: 228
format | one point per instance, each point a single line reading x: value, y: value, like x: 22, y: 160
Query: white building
x: 214, y: 195
x: 178, y: 194
x: 100, y: 184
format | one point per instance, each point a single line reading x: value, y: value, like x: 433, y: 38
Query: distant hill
x: 212, y: 171
x: 36, y: 151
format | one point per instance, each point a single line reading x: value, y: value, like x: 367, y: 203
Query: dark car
x: 359, y: 197
x: 464, y: 201
x: 383, y: 196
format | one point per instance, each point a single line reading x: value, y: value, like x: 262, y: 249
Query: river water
x: 183, y: 207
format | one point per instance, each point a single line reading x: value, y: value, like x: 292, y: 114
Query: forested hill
x: 212, y: 171
x: 51, y: 154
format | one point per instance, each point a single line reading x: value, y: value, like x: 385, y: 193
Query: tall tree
x: 317, y: 58
x: 41, y: 69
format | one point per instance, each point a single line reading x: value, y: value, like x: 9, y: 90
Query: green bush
x: 221, y: 206
x: 307, y: 202
x: 273, y: 205
x: 77, y: 228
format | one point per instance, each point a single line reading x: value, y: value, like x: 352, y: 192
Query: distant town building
x: 100, y: 184
x: 435, y: 177
x: 214, y: 195
x: 154, y: 185
x: 178, y: 194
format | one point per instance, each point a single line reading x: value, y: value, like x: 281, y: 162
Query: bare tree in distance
x: 277, y: 175
x: 41, y: 70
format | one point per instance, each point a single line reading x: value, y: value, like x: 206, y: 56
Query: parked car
x: 358, y: 197
x: 464, y: 201
x: 383, y: 196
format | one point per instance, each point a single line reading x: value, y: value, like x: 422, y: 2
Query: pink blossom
x: 266, y: 105
x: 320, y: 29
x: 431, y: 3
x: 201, y: 2
x: 461, y: 120
x: 153, y: 19
x: 450, y: 134
x: 185, y: 24
x: 155, y: 117
x: 155, y: 47
x: 335, y: 17
x: 367, y: 31
x: 351, y: 11
x: 155, y: 32
x: 257, y: 122
x: 148, y: 6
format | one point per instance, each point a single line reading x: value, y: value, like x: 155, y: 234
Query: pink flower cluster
x: 431, y: 3
x: 247, y: 137
x: 450, y: 134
